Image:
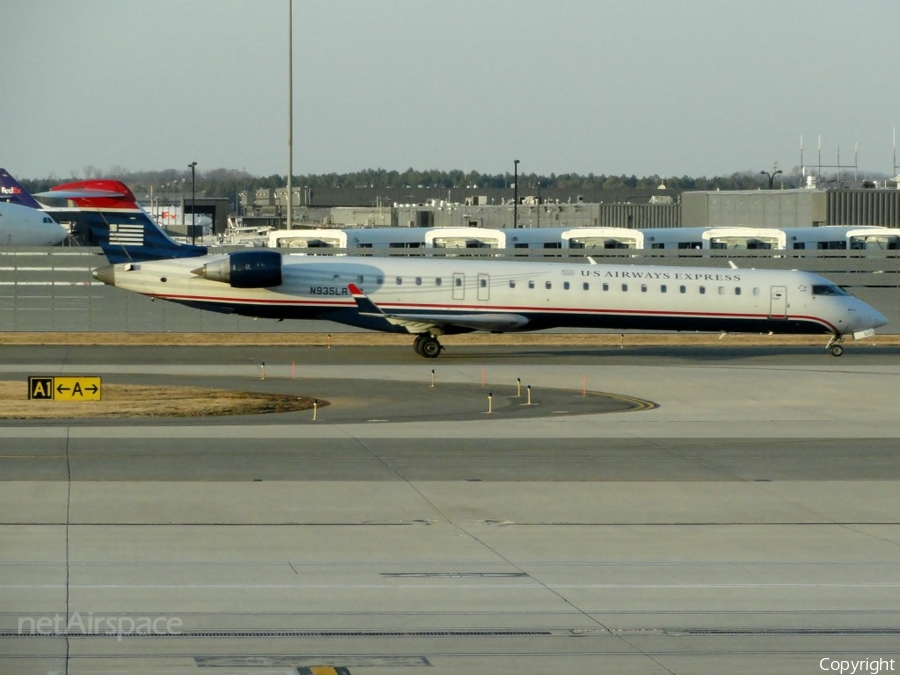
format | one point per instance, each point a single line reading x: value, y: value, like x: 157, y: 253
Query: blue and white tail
x: 117, y: 224
x: 13, y: 193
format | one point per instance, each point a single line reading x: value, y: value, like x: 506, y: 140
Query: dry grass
x: 134, y: 401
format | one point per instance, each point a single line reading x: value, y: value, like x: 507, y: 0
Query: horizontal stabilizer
x: 79, y: 194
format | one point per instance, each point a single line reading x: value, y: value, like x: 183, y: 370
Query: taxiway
x: 655, y: 511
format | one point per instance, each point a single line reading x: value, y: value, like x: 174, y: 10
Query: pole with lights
x: 771, y: 176
x: 193, y: 167
x: 515, y: 194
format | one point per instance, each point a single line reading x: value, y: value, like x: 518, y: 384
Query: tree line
x: 229, y: 182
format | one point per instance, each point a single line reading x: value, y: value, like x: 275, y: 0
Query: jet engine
x: 245, y: 269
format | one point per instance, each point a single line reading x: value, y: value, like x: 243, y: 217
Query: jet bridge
x: 749, y: 238
x: 306, y: 239
x: 873, y: 239
x: 464, y: 237
x: 602, y: 237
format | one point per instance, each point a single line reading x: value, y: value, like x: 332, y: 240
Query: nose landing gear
x: 835, y: 346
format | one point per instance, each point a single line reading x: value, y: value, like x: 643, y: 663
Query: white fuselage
x: 539, y: 295
x: 25, y: 226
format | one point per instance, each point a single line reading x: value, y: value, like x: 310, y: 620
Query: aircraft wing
x: 420, y: 322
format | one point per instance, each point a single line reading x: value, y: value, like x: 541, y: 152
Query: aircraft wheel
x: 417, y: 345
x: 837, y: 350
x: 429, y: 347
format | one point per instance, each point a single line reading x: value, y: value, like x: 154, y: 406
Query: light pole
x: 771, y: 176
x: 193, y: 167
x: 515, y: 194
x: 290, y: 139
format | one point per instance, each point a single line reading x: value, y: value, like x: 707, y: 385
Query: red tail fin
x: 109, y: 194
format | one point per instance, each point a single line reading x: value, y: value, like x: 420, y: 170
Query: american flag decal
x: 126, y: 234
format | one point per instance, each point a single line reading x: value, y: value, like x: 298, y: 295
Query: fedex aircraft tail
x: 12, y: 192
x: 124, y: 231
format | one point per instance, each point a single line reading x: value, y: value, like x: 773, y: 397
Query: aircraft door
x: 778, y: 302
x: 459, y: 286
x: 484, y: 287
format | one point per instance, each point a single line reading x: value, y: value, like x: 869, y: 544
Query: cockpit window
x: 828, y: 289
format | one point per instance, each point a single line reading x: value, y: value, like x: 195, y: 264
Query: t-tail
x: 13, y: 193
x: 117, y: 224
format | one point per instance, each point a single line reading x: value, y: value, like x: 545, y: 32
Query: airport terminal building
x: 861, y: 204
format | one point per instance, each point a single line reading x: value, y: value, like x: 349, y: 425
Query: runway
x: 666, y: 510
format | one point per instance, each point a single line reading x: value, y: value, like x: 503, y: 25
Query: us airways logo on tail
x: 126, y: 234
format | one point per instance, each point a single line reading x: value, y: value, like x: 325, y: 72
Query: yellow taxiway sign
x: 42, y: 388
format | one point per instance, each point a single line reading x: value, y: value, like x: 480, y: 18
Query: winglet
x: 366, y: 306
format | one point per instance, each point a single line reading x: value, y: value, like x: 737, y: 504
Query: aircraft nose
x: 867, y: 317
x: 877, y: 318
x: 54, y: 233
x: 106, y: 274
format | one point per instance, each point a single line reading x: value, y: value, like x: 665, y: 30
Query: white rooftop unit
x: 464, y: 237
x: 602, y: 237
x: 324, y: 238
x: 744, y: 238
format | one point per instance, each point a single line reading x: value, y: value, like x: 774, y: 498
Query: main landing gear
x: 427, y: 345
x: 835, y: 346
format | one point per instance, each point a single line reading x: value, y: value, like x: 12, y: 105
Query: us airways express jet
x: 433, y: 297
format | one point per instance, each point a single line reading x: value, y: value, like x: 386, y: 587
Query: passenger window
x: 663, y: 288
x: 512, y: 284
x: 379, y: 280
x: 530, y: 284
x: 482, y: 283
x: 566, y: 285
x: 458, y: 281
x: 682, y: 289
x: 643, y: 288
x: 703, y: 290
x: 605, y: 287
x: 737, y: 290
x: 548, y: 285
x: 438, y: 281
x: 624, y: 288
x: 418, y: 281
x: 586, y: 286
x: 755, y: 290
x: 359, y: 278
x: 399, y: 281
x: 721, y: 290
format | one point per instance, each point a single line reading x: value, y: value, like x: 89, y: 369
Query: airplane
x: 429, y: 298
x: 114, y: 219
x: 22, y: 222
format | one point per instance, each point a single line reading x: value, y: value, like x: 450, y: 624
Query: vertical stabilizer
x: 13, y: 193
x: 119, y: 225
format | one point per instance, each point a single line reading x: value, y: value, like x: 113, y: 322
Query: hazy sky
x: 668, y: 87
